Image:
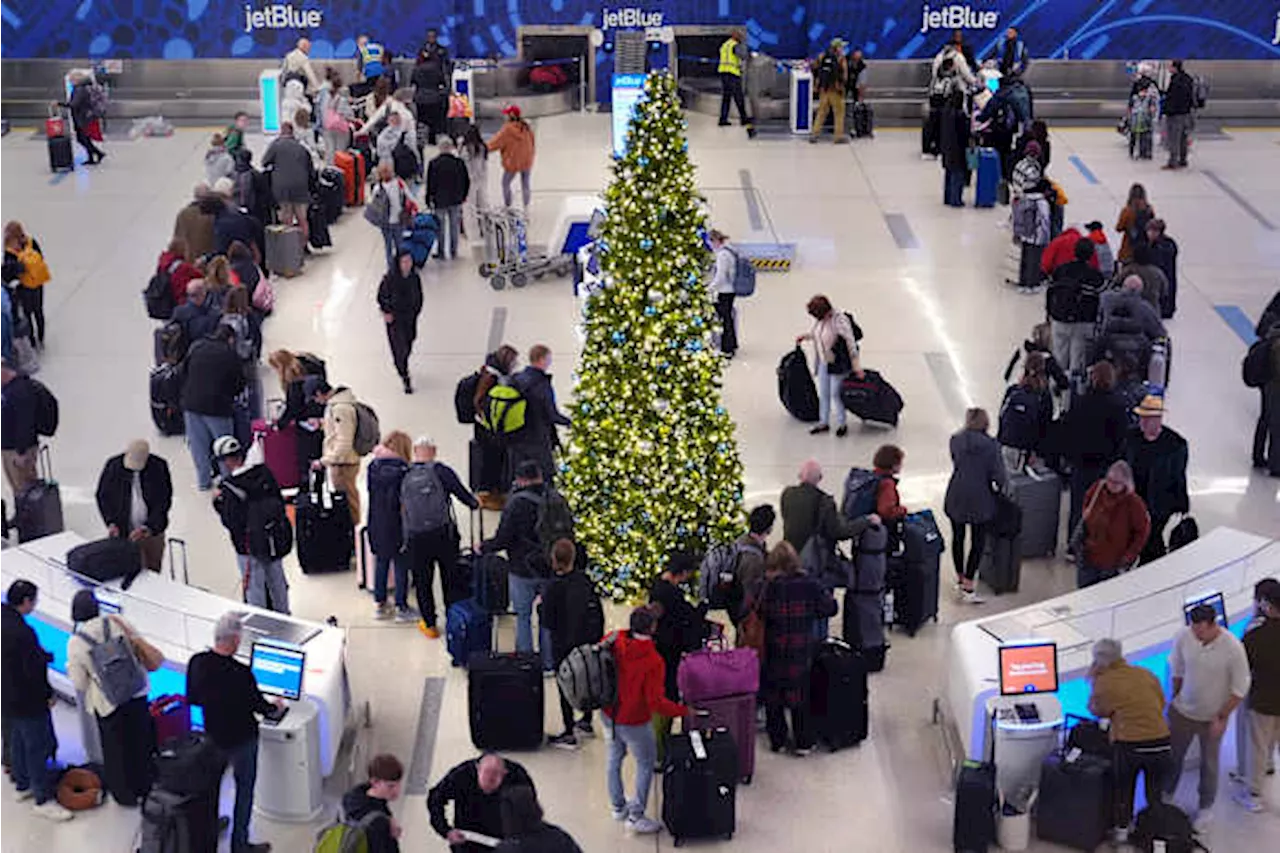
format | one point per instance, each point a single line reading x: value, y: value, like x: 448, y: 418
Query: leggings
x: 967, y: 569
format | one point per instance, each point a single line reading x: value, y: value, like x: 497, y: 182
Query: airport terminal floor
x: 926, y: 284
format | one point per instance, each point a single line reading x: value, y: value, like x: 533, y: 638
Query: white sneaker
x: 1247, y: 801
x: 1203, y: 822
x: 23, y: 796
x: 972, y: 597
x: 643, y: 825
x: 382, y: 611
x: 406, y: 615
x: 620, y: 814
x: 53, y: 810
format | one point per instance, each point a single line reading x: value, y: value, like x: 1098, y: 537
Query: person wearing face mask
x: 1116, y: 526
x: 1158, y: 456
x: 539, y: 439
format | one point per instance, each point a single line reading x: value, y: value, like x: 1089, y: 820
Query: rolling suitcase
x: 795, y: 386
x: 988, y: 178
x: 863, y: 617
x: 504, y: 698
x: 871, y: 397
x: 332, y: 192
x: 468, y: 629
x: 38, y: 509
x: 166, y: 393
x: 863, y: 119
x: 974, y: 825
x: 318, y: 225
x: 171, y: 716
x: 1001, y: 564
x: 913, y: 573
x: 61, y: 154
x: 284, y: 250
x: 1038, y: 491
x: 1076, y: 801
x: 279, y: 451
x: 489, y: 582
x: 738, y: 715
x: 838, y: 696
x: 168, y: 825
x: 352, y: 165
x: 700, y: 785
x: 325, y: 535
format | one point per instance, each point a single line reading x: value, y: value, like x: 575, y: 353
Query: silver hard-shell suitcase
x: 1039, y: 492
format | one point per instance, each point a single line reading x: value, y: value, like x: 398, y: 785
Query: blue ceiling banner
x: 887, y: 29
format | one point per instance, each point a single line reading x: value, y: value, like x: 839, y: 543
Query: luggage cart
x: 507, y: 252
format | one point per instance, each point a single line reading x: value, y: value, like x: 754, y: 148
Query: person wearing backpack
x: 251, y: 507
x: 539, y: 439
x: 27, y: 699
x: 213, y: 377
x: 1071, y: 301
x: 430, y: 531
x: 341, y: 455
x: 29, y: 410
x: 366, y: 809
x: 829, y: 72
x: 572, y: 616
x: 1030, y: 217
x: 722, y: 289
x: 27, y: 270
x: 176, y: 271
x: 1026, y: 413
x: 108, y: 662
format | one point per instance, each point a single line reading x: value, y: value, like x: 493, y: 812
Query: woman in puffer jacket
x: 386, y: 534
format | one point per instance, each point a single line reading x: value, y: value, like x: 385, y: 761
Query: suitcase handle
x: 174, y: 544
x: 45, y: 463
x: 363, y: 542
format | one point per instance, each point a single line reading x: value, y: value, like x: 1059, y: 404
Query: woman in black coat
x: 400, y: 300
x: 978, y: 471
x: 1091, y: 435
x: 954, y: 145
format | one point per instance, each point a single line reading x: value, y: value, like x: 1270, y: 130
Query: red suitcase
x: 279, y: 451
x: 172, y: 717
x: 738, y: 715
x: 354, y: 175
x: 55, y: 126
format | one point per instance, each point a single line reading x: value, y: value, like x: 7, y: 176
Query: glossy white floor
x: 939, y: 323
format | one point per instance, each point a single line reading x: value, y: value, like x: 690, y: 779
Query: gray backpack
x: 423, y: 500
x: 588, y: 676
x: 115, y: 666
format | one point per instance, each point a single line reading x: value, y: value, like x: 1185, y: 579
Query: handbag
x: 750, y: 633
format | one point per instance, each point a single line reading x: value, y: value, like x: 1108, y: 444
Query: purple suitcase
x: 738, y: 715
x: 279, y: 451
x: 714, y: 672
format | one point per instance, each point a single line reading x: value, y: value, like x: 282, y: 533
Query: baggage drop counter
x: 1143, y: 609
x: 179, y: 620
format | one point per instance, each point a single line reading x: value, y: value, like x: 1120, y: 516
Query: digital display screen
x: 1214, y: 600
x: 1028, y: 668
x: 628, y: 89
x: 278, y: 669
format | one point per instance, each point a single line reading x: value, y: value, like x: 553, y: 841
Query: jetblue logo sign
x: 629, y: 18
x: 958, y: 16
x: 280, y: 16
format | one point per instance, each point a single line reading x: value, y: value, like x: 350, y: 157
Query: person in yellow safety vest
x: 733, y: 55
x: 371, y: 58
x: 829, y: 72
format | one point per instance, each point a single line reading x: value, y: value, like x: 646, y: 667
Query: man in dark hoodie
x: 475, y: 788
x: 213, y: 378
x: 538, y: 440
x: 517, y: 535
x: 1071, y: 302
x: 400, y: 301
x: 369, y: 804
x: 1158, y: 456
x: 249, y: 502
x: 571, y: 612
x: 682, y: 627
x: 447, y: 187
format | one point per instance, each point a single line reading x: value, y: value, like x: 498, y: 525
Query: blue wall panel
x: 1111, y: 29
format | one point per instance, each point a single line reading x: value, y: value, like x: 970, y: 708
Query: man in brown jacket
x: 194, y: 223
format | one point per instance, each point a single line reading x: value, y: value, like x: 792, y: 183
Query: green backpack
x: 345, y: 836
x: 504, y: 409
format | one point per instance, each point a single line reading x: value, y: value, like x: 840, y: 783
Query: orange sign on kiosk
x: 1029, y: 668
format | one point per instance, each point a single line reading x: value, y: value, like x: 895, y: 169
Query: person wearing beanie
x: 134, y: 496
x: 125, y: 729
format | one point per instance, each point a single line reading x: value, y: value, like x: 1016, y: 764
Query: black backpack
x: 1020, y: 426
x: 267, y: 527
x: 464, y: 398
x: 828, y: 71
x: 1168, y: 824
x: 404, y: 160
x: 1256, y: 368
x: 46, y: 409
x: 159, y: 293
x: 173, y: 342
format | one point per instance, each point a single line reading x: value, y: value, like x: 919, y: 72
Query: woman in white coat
x: 721, y: 288
x: 835, y: 343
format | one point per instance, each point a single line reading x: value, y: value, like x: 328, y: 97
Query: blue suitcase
x: 468, y: 628
x: 988, y: 178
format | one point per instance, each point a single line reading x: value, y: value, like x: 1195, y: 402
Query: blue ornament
x: 719, y: 410
x: 618, y: 337
x: 644, y: 161
x: 693, y: 278
x: 649, y: 310
x: 646, y: 244
x: 697, y: 321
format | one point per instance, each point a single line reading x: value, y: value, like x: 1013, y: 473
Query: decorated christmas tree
x: 652, y: 464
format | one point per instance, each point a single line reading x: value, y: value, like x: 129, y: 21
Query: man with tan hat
x: 1158, y: 456
x: 134, y: 497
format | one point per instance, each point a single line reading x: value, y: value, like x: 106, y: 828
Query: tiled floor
x: 934, y: 312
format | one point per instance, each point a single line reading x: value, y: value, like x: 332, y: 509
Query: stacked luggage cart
x: 508, y: 256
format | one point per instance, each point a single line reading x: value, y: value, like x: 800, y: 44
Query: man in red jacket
x: 641, y: 694
x: 1062, y: 249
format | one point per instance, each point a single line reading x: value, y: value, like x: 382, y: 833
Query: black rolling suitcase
x: 504, y: 698
x: 700, y: 785
x: 1001, y: 565
x: 795, y: 386
x: 62, y: 156
x: 325, y: 535
x: 318, y: 225
x: 1075, y: 808
x: 974, y: 826
x: 332, y: 193
x: 489, y: 573
x: 871, y: 398
x: 838, y: 696
x: 38, y: 508
x: 913, y: 572
x: 166, y: 393
x: 178, y: 823
x: 863, y: 122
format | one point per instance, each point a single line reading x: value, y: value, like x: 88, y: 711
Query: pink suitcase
x: 280, y: 451
x: 714, y: 672
x: 738, y: 715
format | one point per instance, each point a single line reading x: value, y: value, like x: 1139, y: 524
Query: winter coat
x: 888, y: 502
x: 24, y: 667
x: 401, y: 296
x: 547, y: 838
x: 807, y: 510
x: 542, y: 414
x: 1180, y: 97
x: 1155, y: 286
x: 641, y: 676
x: 473, y: 809
x: 954, y: 141
x: 1164, y: 254
x: 517, y: 533
x: 198, y: 320
x: 827, y: 331
x: 1116, y: 527
x: 1092, y: 432
x: 213, y: 378
x: 1062, y: 250
x: 790, y: 607
x: 81, y: 105
x: 194, y: 224
x: 231, y: 225
x: 291, y: 166
x: 1027, y: 174
x: 977, y: 472
x: 357, y: 804
x: 244, y: 487
x: 1127, y: 303
x: 447, y: 181
x: 1127, y: 222
x: 1160, y: 471
x: 1081, y: 285
x: 386, y: 531
x: 18, y: 424
x: 516, y: 144
x: 115, y: 494
x: 182, y: 275
x: 681, y: 628
x: 218, y: 164
x: 565, y: 605
x: 340, y: 429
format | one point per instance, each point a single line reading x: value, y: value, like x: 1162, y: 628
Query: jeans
x: 381, y: 568
x: 776, y: 724
x: 729, y: 331
x: 953, y: 187
x: 1178, y: 129
x: 201, y: 431
x: 391, y: 243
x: 731, y: 91
x: 525, y: 192
x: 829, y: 387
x: 967, y: 569
x: 1154, y: 760
x: 128, y: 738
x: 1087, y: 575
x: 1071, y: 345
x: 1143, y: 141
x: 265, y: 583
x: 523, y: 592
x: 31, y: 743
x: 1182, y: 731
x: 643, y: 745
x: 244, y: 767
x: 450, y: 225
x: 427, y: 550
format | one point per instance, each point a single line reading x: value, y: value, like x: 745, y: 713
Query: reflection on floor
x: 939, y: 324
